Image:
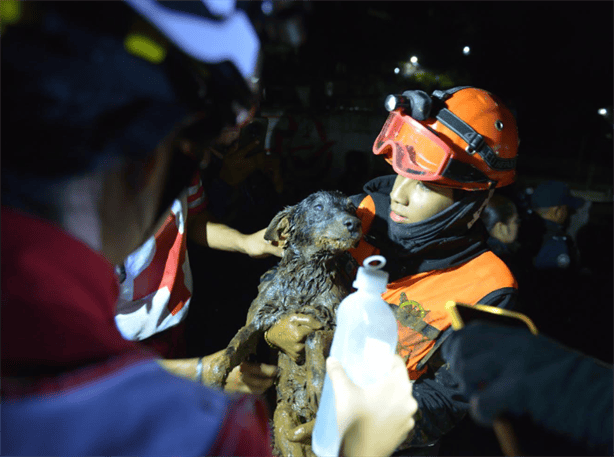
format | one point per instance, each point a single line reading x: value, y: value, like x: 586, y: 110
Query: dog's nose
x: 352, y: 223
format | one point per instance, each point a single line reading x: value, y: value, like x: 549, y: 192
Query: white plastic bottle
x: 364, y: 341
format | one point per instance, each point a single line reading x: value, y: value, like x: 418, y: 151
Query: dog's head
x: 323, y: 222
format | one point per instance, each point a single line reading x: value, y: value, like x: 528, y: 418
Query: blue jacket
x: 555, y: 251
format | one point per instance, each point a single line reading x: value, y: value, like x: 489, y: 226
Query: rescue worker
x: 555, y: 286
x: 502, y: 222
x: 97, y: 92
x: 450, y: 150
x: 552, y: 201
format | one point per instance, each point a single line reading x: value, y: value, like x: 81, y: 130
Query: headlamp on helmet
x: 463, y: 138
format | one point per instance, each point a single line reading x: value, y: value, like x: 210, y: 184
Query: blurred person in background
x: 553, y: 203
x: 502, y: 220
x: 556, y: 278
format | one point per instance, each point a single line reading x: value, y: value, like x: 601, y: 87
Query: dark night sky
x: 552, y: 62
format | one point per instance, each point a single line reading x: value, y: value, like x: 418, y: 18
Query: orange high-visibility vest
x: 421, y: 298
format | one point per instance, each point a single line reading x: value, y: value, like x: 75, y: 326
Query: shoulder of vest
x: 366, y: 212
x: 490, y: 270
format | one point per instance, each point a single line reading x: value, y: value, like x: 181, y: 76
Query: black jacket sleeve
x: 505, y: 298
x: 508, y: 371
x: 441, y: 404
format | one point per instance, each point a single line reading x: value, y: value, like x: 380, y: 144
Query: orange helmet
x: 462, y: 137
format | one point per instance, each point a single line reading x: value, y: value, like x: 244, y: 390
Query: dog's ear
x: 279, y: 227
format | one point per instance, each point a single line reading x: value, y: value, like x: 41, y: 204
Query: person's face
x: 511, y: 233
x: 562, y: 214
x: 413, y: 201
x: 130, y: 215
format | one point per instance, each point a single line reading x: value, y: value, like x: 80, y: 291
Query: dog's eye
x: 318, y: 207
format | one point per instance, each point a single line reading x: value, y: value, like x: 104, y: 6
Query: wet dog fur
x: 313, y: 276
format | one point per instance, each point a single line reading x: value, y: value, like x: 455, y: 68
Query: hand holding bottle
x: 364, y: 343
x: 375, y: 419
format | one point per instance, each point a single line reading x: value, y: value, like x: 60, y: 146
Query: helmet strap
x: 475, y: 141
x: 464, y: 173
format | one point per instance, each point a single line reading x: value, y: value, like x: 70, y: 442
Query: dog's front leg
x: 284, y: 427
x: 241, y: 345
x: 317, y: 348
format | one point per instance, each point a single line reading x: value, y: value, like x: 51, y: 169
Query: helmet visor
x: 413, y: 150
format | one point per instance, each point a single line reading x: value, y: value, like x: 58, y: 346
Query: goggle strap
x: 463, y: 172
x: 445, y: 94
x: 475, y: 141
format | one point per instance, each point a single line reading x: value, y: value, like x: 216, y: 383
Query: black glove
x: 505, y: 370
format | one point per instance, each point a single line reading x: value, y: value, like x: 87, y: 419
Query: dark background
x: 551, y: 63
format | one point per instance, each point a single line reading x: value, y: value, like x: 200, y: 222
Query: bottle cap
x: 370, y: 276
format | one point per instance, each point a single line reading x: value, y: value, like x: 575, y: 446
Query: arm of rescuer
x: 204, y: 230
x: 248, y: 377
x: 372, y: 420
x: 509, y: 371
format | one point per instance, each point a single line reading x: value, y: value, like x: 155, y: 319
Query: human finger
x: 305, y: 320
x: 386, y: 414
x: 302, y: 433
x: 258, y: 247
x: 234, y: 382
x: 400, y: 387
x: 262, y: 370
x: 250, y: 379
x: 256, y: 385
x: 347, y: 395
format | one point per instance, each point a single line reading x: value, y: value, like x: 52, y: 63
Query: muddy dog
x: 313, y: 276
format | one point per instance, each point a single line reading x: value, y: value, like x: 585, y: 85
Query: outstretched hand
x: 256, y: 246
x: 251, y: 378
x: 373, y: 420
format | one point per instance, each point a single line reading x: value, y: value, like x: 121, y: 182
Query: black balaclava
x: 447, y: 239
